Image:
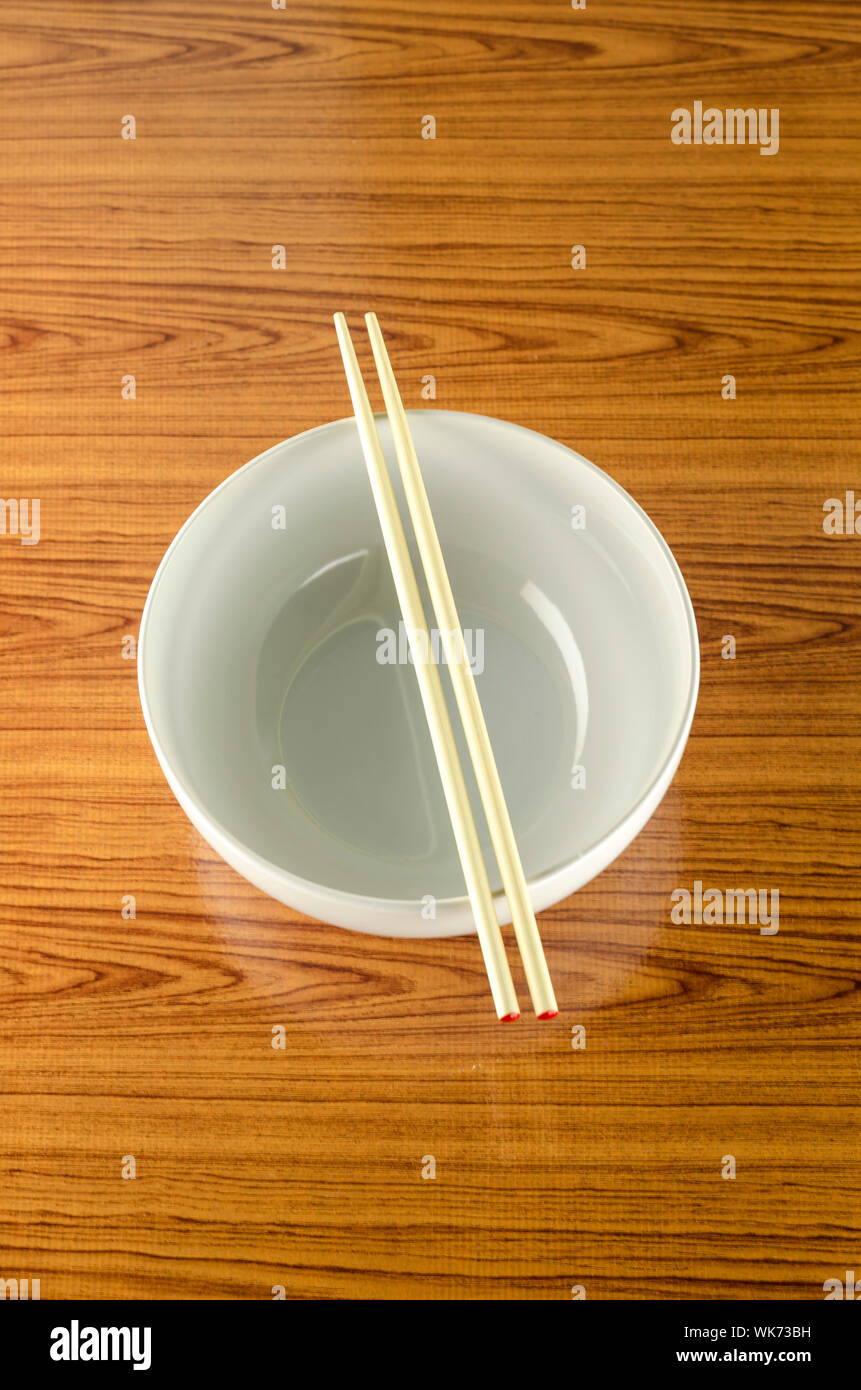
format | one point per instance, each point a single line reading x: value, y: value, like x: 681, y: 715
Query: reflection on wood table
x: 557, y: 1166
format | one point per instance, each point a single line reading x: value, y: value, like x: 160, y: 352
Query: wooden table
x: 557, y: 1168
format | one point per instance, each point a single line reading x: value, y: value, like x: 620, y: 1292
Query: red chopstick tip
x: 509, y: 1018
x: 551, y: 1013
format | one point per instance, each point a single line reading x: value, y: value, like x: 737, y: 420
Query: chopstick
x: 466, y: 694
x: 430, y: 687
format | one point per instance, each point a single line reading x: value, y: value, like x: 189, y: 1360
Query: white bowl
x: 263, y: 644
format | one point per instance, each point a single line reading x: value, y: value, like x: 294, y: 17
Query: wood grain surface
x: 555, y: 1167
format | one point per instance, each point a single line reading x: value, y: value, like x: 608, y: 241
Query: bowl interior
x: 272, y: 641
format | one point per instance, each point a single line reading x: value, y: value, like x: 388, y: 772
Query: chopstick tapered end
x: 549, y: 1013
x: 509, y: 1018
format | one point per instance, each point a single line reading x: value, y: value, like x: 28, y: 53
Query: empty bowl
x: 278, y: 691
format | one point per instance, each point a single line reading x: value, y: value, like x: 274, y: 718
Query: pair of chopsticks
x: 433, y: 700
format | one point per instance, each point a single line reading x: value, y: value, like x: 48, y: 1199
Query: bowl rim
x: 386, y: 906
